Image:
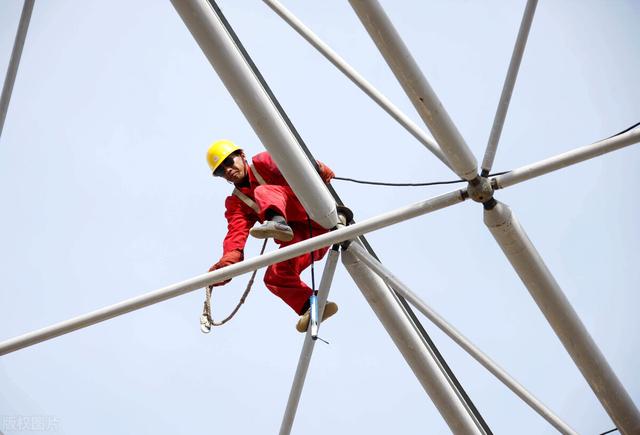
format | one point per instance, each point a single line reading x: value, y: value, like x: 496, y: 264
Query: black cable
x: 615, y: 428
x: 625, y: 130
x: 429, y: 183
x: 313, y: 260
x: 437, y: 183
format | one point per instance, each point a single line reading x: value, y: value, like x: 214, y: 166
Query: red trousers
x: 283, y: 279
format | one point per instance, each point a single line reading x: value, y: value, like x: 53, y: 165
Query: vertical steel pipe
x: 14, y: 61
x: 403, y: 333
x: 208, y: 27
x: 416, y: 86
x: 565, y: 322
x: 507, y: 88
x: 461, y: 340
x: 307, y: 347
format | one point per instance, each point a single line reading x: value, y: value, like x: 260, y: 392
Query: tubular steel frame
x: 368, y: 273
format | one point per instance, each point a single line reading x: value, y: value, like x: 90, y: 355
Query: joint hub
x: 480, y: 190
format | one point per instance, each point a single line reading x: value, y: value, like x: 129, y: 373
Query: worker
x: 261, y: 194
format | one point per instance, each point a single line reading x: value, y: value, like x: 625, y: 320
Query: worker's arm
x: 266, y: 167
x: 240, y: 219
x: 325, y: 172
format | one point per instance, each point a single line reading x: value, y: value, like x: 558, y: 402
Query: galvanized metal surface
x: 200, y: 281
x: 403, y: 333
x: 416, y: 86
x: 462, y: 341
x: 244, y: 86
x: 565, y: 322
x: 507, y: 89
x: 356, y: 78
x: 14, y: 61
x: 307, y: 347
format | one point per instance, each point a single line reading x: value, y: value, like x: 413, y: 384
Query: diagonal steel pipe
x: 416, y: 86
x: 563, y: 319
x: 308, y: 345
x: 208, y: 28
x: 14, y: 61
x: 566, y: 159
x: 246, y: 266
x: 357, y: 78
x: 242, y: 78
x: 504, y: 377
x: 409, y: 342
x: 507, y: 89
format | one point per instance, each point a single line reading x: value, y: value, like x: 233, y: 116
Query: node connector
x: 480, y: 190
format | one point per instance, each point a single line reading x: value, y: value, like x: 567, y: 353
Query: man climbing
x: 261, y: 194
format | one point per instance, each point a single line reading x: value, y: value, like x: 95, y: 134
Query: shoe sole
x: 271, y: 233
x: 329, y: 310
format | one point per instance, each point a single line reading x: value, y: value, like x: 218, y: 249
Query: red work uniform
x: 282, y: 279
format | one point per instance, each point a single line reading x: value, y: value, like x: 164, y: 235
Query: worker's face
x: 233, y: 168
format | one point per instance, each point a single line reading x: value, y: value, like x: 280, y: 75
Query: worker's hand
x: 227, y: 259
x: 325, y: 172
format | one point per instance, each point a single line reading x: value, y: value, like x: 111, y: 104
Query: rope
x: 206, y: 321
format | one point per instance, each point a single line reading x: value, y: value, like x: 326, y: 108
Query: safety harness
x: 206, y: 320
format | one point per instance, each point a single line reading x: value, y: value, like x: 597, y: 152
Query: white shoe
x: 271, y: 229
x: 330, y: 308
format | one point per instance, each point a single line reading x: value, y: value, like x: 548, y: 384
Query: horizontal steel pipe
x: 357, y: 79
x: 246, y: 266
x: 461, y: 340
x: 568, y: 158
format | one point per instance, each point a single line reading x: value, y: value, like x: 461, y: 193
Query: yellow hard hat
x: 219, y: 151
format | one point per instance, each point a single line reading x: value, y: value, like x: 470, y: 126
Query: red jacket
x: 240, y: 217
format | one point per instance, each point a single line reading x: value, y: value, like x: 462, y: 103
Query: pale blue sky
x: 107, y: 195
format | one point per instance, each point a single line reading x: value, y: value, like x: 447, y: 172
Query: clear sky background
x: 106, y: 195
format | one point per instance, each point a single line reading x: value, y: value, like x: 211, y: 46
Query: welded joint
x: 345, y: 218
x: 480, y: 189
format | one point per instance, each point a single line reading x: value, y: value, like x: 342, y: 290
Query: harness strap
x: 244, y: 198
x: 257, y: 174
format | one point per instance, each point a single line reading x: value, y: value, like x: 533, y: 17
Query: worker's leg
x: 281, y: 200
x: 283, y: 279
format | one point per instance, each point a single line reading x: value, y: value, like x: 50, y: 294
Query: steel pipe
x: 461, y: 340
x: 14, y: 61
x: 246, y: 266
x: 403, y: 333
x: 566, y: 159
x: 507, y: 89
x: 207, y: 26
x: 356, y: 78
x: 565, y: 322
x: 307, y: 347
x: 416, y: 87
